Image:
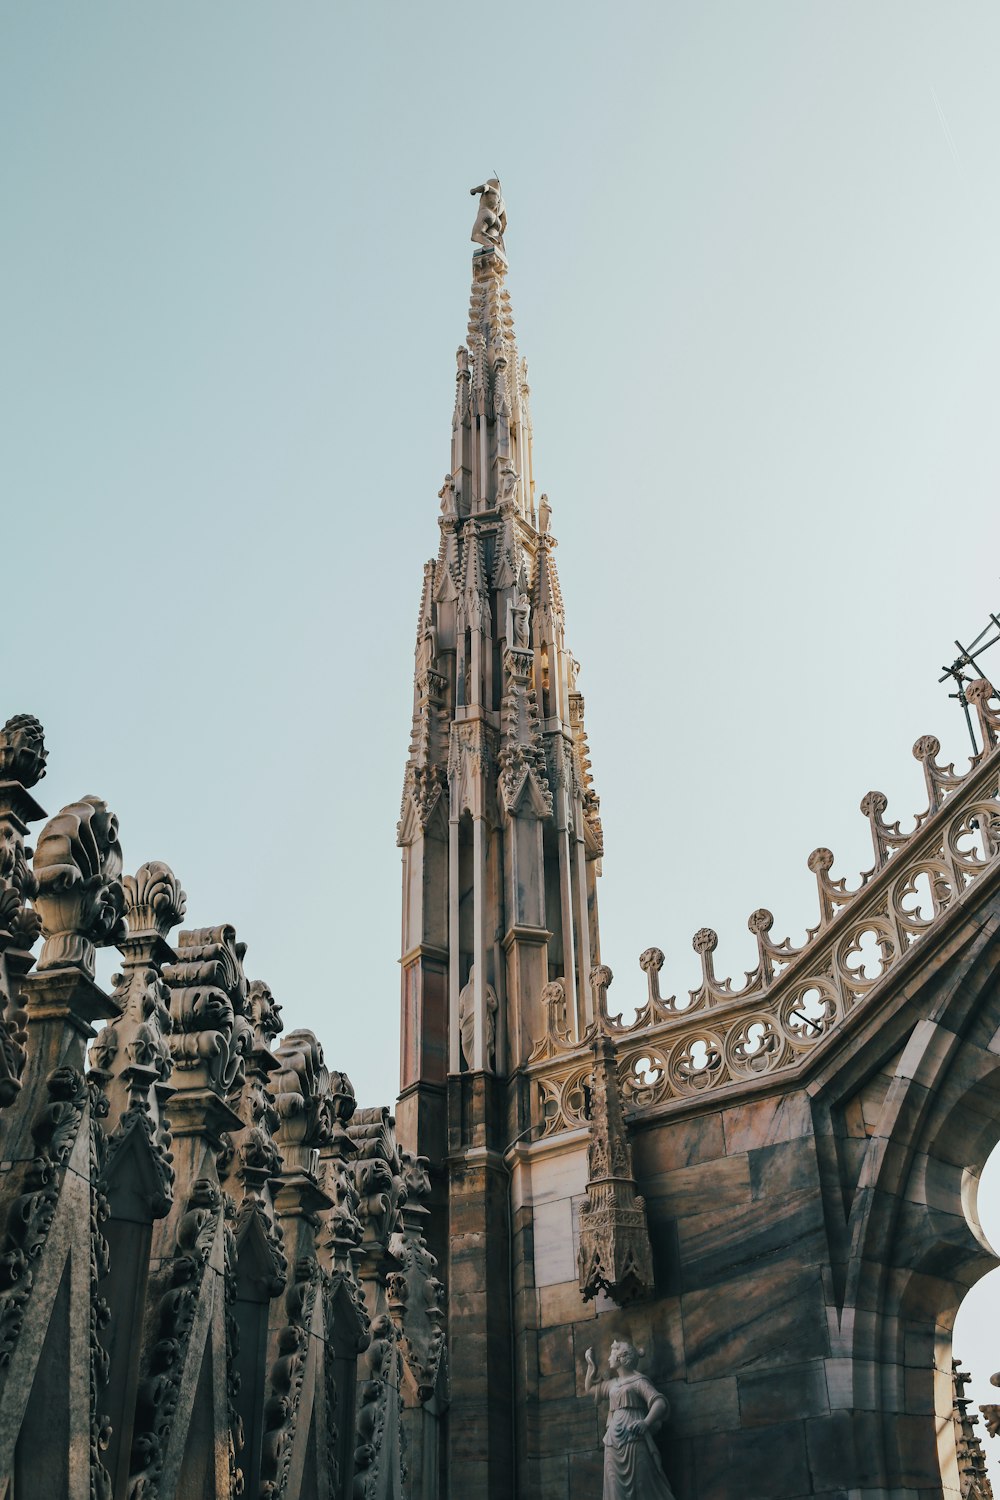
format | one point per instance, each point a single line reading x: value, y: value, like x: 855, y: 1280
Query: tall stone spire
x: 501, y: 844
x: 499, y: 827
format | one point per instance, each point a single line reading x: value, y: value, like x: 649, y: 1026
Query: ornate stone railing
x: 199, y: 1192
x: 721, y: 1035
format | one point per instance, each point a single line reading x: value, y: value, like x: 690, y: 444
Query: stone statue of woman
x: 632, y: 1468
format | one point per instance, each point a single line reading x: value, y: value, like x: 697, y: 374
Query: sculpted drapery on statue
x: 467, y: 1021
x: 632, y: 1468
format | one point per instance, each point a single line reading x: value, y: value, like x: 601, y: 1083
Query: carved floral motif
x: 77, y: 866
x: 30, y: 1210
x: 211, y: 1034
x: 22, y: 764
x: 158, y: 1391
x: 416, y: 1293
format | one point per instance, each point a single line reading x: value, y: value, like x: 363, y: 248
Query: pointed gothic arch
x: 913, y: 1239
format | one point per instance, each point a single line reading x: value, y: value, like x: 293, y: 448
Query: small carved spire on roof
x: 615, y: 1255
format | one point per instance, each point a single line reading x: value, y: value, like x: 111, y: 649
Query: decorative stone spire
x: 416, y: 1295
x: 132, y: 1054
x: 256, y: 1161
x: 499, y: 828
x: 501, y: 852
x: 974, y: 1483
x: 615, y: 1255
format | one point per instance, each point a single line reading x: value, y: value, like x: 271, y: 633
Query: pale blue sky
x: 753, y: 265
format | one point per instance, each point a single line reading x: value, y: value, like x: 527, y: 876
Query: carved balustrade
x: 725, y: 1035
x: 190, y: 1217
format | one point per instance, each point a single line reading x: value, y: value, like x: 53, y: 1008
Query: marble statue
x: 632, y: 1468
x: 491, y: 217
x: 467, y: 1021
x: 520, y: 622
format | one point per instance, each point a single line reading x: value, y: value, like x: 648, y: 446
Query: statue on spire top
x: 491, y: 216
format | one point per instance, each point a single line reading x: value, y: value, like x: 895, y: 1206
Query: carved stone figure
x: 520, y: 615
x: 508, y: 483
x: 427, y: 649
x: 491, y: 219
x: 467, y: 1021
x: 632, y: 1467
x: 446, y: 494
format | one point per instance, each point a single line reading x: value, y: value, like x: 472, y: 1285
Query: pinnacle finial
x: 491, y: 216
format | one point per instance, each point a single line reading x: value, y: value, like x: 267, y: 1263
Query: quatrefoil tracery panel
x: 797, y: 995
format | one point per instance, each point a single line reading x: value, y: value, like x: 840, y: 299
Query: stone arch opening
x: 917, y: 1240
x: 977, y: 1327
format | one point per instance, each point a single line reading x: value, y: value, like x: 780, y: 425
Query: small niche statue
x: 467, y: 1021
x: 519, y: 622
x: 491, y: 218
x: 632, y: 1468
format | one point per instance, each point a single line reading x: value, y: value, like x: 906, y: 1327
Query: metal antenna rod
x: 968, y: 657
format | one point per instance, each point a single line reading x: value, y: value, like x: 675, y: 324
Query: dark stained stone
x: 781, y: 1395
x: 767, y: 1464
x: 678, y: 1143
x: 787, y: 1167
x: 716, y: 1246
x: 763, y: 1122
x: 754, y: 1320
x: 692, y: 1190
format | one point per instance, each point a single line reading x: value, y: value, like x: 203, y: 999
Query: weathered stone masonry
x: 213, y: 1276
x: 769, y: 1186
